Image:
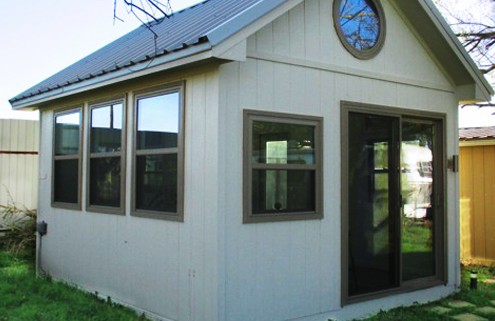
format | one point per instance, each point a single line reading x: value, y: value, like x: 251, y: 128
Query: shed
x: 261, y: 160
x: 477, y: 170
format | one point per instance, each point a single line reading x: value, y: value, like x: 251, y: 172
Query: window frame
x: 120, y: 210
x: 78, y: 157
x: 150, y: 93
x: 440, y: 184
x: 249, y: 117
x: 361, y: 54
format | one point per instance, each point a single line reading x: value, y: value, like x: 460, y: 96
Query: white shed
x: 250, y: 163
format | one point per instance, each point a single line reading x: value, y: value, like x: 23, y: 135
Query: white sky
x: 41, y: 37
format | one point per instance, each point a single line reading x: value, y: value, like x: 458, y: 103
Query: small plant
x: 19, y: 225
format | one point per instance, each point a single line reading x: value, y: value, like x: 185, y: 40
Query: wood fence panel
x: 477, y: 192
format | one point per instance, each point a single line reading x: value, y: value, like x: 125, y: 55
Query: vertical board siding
x: 477, y: 192
x: 19, y: 163
x: 292, y: 270
x: 167, y: 268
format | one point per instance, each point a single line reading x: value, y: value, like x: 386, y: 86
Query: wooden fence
x: 477, y: 193
x: 19, y: 162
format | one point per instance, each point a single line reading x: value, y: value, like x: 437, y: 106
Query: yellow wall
x: 477, y: 181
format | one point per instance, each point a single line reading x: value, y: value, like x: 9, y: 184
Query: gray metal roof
x: 182, y: 30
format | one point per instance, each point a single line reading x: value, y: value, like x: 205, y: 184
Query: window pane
x: 278, y: 143
x: 359, y: 22
x: 105, y: 181
x: 418, y: 256
x: 158, y: 121
x: 67, y: 134
x: 66, y: 181
x: 283, y: 191
x: 106, y: 128
x: 156, y: 183
x: 372, y: 203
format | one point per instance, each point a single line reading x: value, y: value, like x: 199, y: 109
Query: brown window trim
x: 440, y: 244
x: 78, y: 156
x: 361, y: 54
x: 317, y: 123
x: 177, y: 216
x: 120, y: 210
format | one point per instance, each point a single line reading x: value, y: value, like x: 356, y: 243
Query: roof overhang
x: 431, y: 27
x: 187, y: 56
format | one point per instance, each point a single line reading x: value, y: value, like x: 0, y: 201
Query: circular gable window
x: 360, y: 25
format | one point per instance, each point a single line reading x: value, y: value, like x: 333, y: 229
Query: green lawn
x: 23, y: 297
x: 27, y: 298
x: 481, y: 297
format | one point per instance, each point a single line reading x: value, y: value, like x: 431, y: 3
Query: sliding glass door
x: 393, y: 212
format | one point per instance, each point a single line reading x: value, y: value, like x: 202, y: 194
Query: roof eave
x: 176, y: 59
x: 430, y: 25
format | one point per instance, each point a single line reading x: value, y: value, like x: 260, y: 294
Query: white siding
x: 289, y: 270
x: 19, y: 162
x: 163, y: 267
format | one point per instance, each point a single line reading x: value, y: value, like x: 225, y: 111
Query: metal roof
x: 477, y: 133
x: 195, y: 31
x: 183, y: 29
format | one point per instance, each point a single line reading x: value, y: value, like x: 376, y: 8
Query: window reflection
x: 106, y: 128
x: 67, y: 134
x: 359, y: 23
x: 280, y: 190
x: 158, y: 121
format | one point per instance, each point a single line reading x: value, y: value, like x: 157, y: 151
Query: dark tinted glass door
x: 373, y: 236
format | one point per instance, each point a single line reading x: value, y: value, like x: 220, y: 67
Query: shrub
x: 19, y: 226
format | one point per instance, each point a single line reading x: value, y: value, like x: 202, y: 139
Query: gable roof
x: 477, y: 133
x: 192, y: 34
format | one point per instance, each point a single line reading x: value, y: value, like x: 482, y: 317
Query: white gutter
x: 182, y: 57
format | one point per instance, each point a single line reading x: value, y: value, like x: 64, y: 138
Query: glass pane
x: 67, y: 133
x: 373, y: 195
x: 156, y: 183
x: 359, y: 23
x: 279, y: 143
x: 106, y: 129
x: 105, y: 181
x: 66, y: 181
x: 282, y: 191
x: 158, y: 121
x: 418, y: 256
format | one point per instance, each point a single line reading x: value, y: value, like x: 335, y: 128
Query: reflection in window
x: 417, y: 152
x: 359, y: 24
x: 105, y: 166
x: 157, y: 169
x: 66, y: 157
x: 283, y: 177
x: 158, y: 121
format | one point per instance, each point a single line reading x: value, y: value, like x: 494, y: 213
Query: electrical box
x: 42, y: 228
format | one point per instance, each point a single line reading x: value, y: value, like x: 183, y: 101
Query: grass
x: 480, y: 297
x: 24, y: 297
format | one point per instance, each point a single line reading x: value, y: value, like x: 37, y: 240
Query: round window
x: 360, y: 25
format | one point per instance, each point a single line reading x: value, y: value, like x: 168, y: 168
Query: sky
x: 41, y: 37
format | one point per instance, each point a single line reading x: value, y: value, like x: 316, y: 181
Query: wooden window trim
x: 120, y: 210
x: 248, y: 167
x: 148, y: 93
x: 441, y: 243
x: 361, y: 54
x: 78, y: 157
